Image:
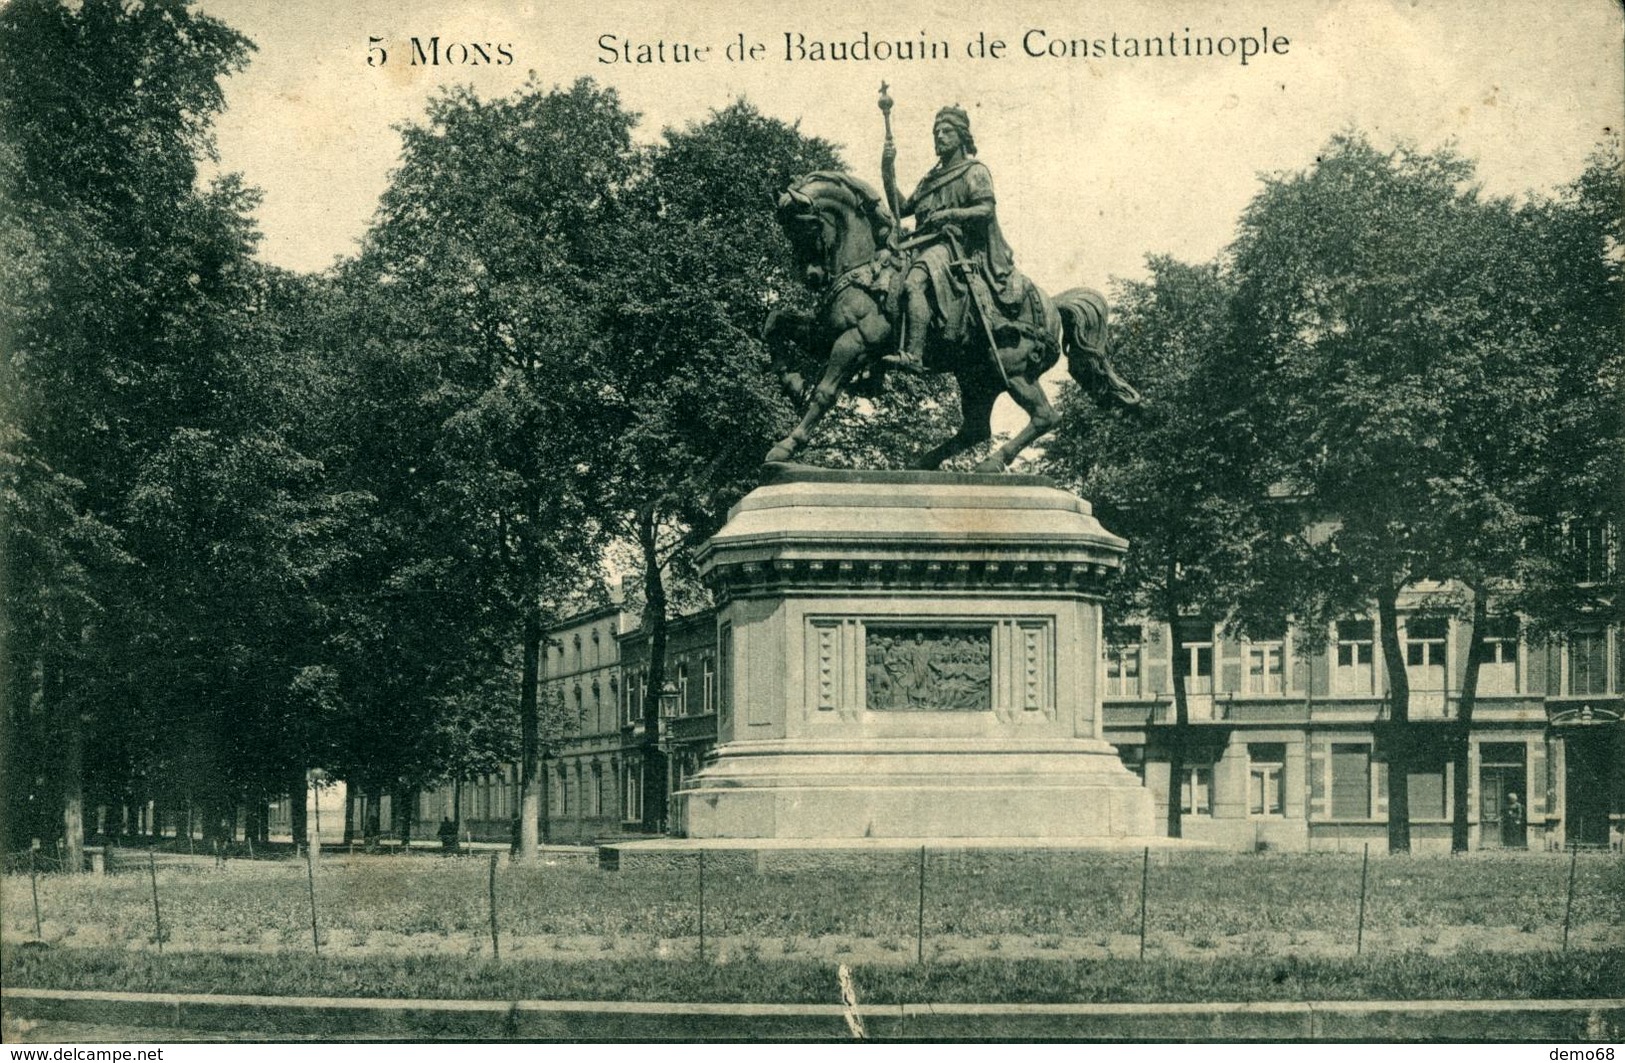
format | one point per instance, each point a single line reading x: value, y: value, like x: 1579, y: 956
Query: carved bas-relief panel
x: 928, y: 669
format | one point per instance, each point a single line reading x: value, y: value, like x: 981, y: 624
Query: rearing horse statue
x: 846, y: 244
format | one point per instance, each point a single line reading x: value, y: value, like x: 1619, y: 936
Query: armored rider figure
x: 954, y: 213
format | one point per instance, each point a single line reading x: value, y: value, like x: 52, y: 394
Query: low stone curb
x: 573, y: 1020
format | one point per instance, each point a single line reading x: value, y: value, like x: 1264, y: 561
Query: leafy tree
x: 1389, y: 317
x: 121, y: 267
x: 237, y: 538
x: 689, y: 398
x: 1180, y: 482
x: 484, y: 273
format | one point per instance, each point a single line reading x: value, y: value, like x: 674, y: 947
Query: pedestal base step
x: 1077, y: 791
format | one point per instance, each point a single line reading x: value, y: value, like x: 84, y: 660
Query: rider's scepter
x: 888, y: 163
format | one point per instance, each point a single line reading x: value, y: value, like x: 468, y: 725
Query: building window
x: 564, y: 791
x: 1196, y: 790
x: 1265, y: 763
x: 1353, y: 673
x: 597, y: 706
x: 631, y: 777
x: 1264, y: 668
x: 1498, y: 671
x: 635, y: 684
x: 1424, y: 661
x: 708, y: 682
x: 1588, y: 662
x: 1425, y: 785
x: 1123, y: 662
x: 1194, y: 661
x: 725, y: 649
x: 1196, y: 665
x: 597, y: 798
x: 1588, y: 551
x: 682, y: 689
x: 1351, y: 780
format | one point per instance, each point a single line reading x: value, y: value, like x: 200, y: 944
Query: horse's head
x: 811, y: 231
x: 833, y: 222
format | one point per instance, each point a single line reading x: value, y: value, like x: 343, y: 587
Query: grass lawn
x: 1005, y: 906
x: 1467, y: 975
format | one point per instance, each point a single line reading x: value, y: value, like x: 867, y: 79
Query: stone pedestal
x: 911, y: 655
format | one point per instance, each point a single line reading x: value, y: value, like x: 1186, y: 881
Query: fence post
x: 919, y: 926
x: 1359, y: 930
x: 157, y: 916
x: 33, y: 884
x: 1145, y: 882
x: 702, y: 905
x: 1568, y: 905
x: 496, y: 949
x: 310, y: 878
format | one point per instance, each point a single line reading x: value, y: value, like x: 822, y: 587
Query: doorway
x: 1503, y: 792
x: 1585, y: 785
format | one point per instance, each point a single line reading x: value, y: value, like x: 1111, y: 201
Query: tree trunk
x: 654, y: 624
x: 371, y: 815
x: 406, y: 814
x: 298, y: 795
x: 1395, y: 738
x: 350, y: 792
x: 530, y: 777
x: 73, y: 767
x: 542, y: 780
x: 1460, y: 828
x: 1178, y: 737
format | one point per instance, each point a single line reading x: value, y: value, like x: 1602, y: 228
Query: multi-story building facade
x: 1282, y: 743
x: 585, y: 769
x: 1281, y: 748
x: 688, y: 723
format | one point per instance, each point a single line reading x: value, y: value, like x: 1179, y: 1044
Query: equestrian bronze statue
x: 945, y: 297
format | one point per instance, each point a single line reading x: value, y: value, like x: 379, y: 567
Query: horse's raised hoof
x: 993, y: 465
x: 778, y: 455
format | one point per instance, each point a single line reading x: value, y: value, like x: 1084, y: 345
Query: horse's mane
x: 870, y: 202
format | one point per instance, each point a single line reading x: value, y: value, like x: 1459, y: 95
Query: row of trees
x: 1388, y: 385
x: 257, y: 522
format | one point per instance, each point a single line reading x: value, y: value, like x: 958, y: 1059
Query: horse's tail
x: 1087, y: 344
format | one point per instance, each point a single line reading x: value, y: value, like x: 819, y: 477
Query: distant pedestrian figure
x: 1512, y: 823
x: 448, y: 835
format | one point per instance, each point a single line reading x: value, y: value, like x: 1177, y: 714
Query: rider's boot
x: 911, y: 359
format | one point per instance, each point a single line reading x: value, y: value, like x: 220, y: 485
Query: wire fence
x: 900, y: 906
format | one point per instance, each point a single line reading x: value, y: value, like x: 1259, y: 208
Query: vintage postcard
x: 883, y: 758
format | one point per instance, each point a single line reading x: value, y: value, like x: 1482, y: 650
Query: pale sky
x: 1097, y: 162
